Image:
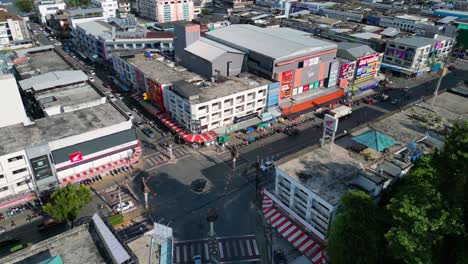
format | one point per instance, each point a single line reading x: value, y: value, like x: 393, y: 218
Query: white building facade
x: 12, y: 29
x: 312, y: 211
x: 167, y: 11
x: 218, y: 112
x: 109, y: 7
x: 49, y: 7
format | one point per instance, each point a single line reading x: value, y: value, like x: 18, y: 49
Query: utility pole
x: 170, y: 141
x: 442, y: 73
x: 291, y: 101
x: 145, y: 191
x: 120, y: 198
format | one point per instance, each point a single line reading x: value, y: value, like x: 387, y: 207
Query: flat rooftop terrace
x: 16, y: 137
x: 230, y: 85
x: 68, y: 96
x: 75, y: 246
x: 40, y: 62
x: 324, y: 173
x: 160, y: 71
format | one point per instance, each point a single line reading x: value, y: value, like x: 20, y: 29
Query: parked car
x: 91, y: 79
x: 2, y: 230
x: 139, y: 124
x: 369, y: 100
x: 124, y: 206
x: 148, y: 132
x: 395, y: 101
x: 384, y: 97
x: 119, y: 96
x: 107, y: 85
x: 130, y: 115
x: 197, y: 259
x: 57, y: 44
x: 92, y: 72
x: 112, y: 98
x: 267, y: 166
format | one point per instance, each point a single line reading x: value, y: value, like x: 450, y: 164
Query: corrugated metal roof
x: 356, y: 50
x: 390, y: 32
x: 447, y: 19
x: 95, y: 28
x: 53, y: 79
x: 209, y: 50
x: 416, y: 41
x: 115, y: 249
x: 276, y: 43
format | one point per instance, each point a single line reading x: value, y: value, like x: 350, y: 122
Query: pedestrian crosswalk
x: 159, y: 158
x: 240, y: 162
x: 231, y: 250
x: 111, y: 195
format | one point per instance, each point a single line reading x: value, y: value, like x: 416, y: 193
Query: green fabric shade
x: 374, y: 139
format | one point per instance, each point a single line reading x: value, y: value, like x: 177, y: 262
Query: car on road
x: 197, y: 259
x: 52, y: 39
x: 119, y: 96
x: 369, y: 100
x: 395, y: 101
x: 91, y: 79
x: 112, y: 98
x: 139, y: 124
x: 124, y: 206
x: 58, y: 44
x: 267, y: 166
x: 130, y: 115
x: 199, y: 185
x: 92, y: 72
x: 384, y: 97
x: 406, y: 89
x: 107, y: 85
x: 148, y: 132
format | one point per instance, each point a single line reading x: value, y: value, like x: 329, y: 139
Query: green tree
x: 420, y: 217
x: 452, y: 168
x: 25, y: 6
x: 205, y: 11
x: 356, y: 235
x: 77, y: 3
x: 66, y: 203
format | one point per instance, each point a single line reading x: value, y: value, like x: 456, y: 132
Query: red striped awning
x: 193, y: 138
x: 293, y: 233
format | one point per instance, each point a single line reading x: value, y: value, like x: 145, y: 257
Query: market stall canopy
x: 375, y: 140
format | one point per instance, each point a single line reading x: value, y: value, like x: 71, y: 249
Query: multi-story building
x: 54, y: 142
x: 207, y: 106
x: 62, y: 23
x: 408, y: 23
x: 124, y: 8
x: 13, y: 30
x: 109, y: 7
x: 167, y: 11
x: 48, y: 7
x: 342, y: 15
x: 306, y: 67
x: 416, y: 55
x: 231, y: 4
x: 359, y: 66
x: 96, y: 40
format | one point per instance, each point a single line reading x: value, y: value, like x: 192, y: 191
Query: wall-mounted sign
x: 367, y: 67
x: 41, y: 167
x: 244, y: 118
x: 330, y: 123
x: 286, y: 84
x: 75, y: 157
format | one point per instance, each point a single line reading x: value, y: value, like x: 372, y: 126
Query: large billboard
x: 367, y: 67
x: 41, y: 167
x: 156, y: 95
x: 286, y: 84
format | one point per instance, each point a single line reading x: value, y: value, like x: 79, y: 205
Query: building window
x: 23, y: 182
x: 2, y: 189
x: 2, y: 176
x: 19, y: 171
x: 15, y: 158
x: 301, y: 65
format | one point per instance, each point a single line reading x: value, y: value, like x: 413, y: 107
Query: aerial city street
x: 183, y: 132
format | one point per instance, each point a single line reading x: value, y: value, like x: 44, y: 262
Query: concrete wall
x: 221, y: 64
x: 10, y: 102
x: 196, y: 64
x: 9, y: 181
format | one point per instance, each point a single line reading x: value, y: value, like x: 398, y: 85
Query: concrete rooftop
x: 44, y: 61
x: 76, y: 246
x: 324, y: 173
x: 228, y: 86
x: 160, y: 71
x: 44, y: 130
x: 67, y: 96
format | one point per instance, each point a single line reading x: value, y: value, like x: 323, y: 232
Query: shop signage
x: 41, y: 167
x: 367, y: 67
x: 244, y: 118
x: 330, y: 123
x: 75, y: 157
x: 286, y: 84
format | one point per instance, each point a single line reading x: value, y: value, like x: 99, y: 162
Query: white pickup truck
x: 340, y: 111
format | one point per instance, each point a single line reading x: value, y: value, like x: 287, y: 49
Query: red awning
x: 293, y: 233
x: 193, y: 138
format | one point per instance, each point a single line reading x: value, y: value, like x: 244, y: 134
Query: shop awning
x: 293, y: 233
x: 193, y: 138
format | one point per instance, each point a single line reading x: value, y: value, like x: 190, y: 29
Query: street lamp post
x: 439, y: 81
x: 120, y: 198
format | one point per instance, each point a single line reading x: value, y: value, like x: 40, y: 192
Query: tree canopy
x: 426, y: 216
x: 25, y: 6
x: 356, y: 235
x: 66, y: 203
x: 77, y: 3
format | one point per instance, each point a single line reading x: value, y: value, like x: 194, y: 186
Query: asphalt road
x: 361, y: 113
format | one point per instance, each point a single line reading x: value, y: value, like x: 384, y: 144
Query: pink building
x: 167, y: 10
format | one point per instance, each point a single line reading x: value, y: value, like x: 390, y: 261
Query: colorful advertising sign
x: 347, y: 70
x: 330, y: 123
x: 41, y: 167
x: 286, y: 84
x: 333, y: 76
x: 367, y: 67
x: 75, y: 157
x: 156, y: 95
